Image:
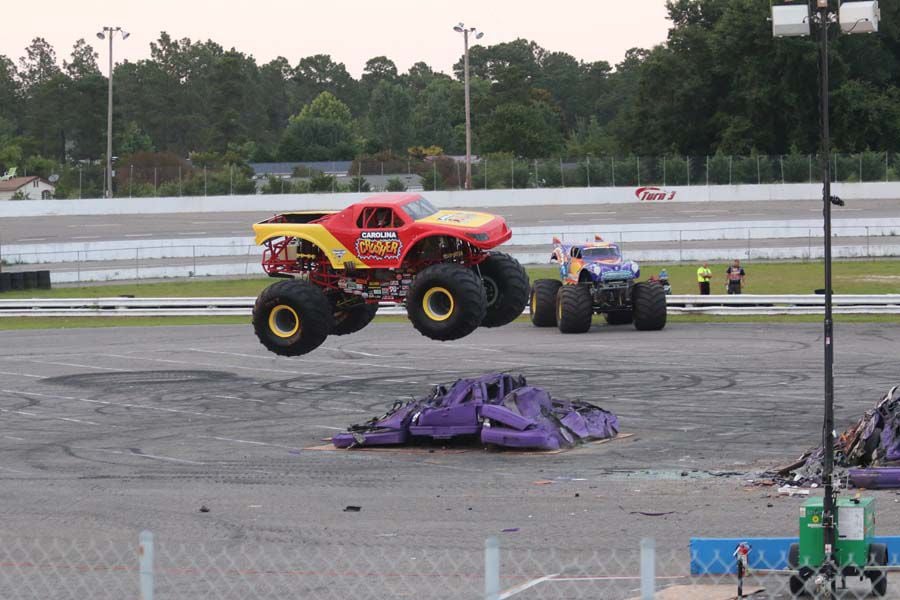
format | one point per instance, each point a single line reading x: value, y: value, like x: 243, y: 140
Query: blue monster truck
x: 596, y: 279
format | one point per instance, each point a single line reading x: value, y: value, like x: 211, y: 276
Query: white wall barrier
x: 743, y: 231
x: 733, y: 305
x: 483, y: 199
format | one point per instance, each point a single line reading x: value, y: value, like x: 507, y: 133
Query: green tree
x: 321, y: 131
x: 389, y: 116
x: 527, y: 130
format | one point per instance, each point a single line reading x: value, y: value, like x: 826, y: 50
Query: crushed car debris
x: 867, y: 454
x: 499, y: 408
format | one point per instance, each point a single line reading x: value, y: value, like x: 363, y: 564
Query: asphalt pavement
x: 45, y: 230
x: 106, y: 432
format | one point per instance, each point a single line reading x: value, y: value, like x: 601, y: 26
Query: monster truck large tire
x: 574, y: 308
x: 622, y: 317
x: 543, y: 302
x: 446, y: 302
x: 505, y: 287
x: 353, y: 318
x: 649, y: 306
x: 292, y: 317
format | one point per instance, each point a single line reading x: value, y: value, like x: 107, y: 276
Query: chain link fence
x: 149, y: 569
x: 488, y: 172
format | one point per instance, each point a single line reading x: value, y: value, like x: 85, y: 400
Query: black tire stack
x: 25, y: 280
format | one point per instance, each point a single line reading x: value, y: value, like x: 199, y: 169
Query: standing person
x: 703, y: 277
x: 735, y: 275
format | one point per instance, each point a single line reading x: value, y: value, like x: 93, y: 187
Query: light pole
x: 818, y: 17
x: 478, y: 35
x: 110, y: 33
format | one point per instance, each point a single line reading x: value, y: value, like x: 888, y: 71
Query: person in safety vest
x: 703, y: 277
x: 735, y: 275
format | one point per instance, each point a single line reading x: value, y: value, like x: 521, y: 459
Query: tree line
x: 719, y: 85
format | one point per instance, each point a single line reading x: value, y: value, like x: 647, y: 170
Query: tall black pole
x: 828, y: 508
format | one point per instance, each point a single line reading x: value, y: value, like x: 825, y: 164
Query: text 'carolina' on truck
x: 392, y: 248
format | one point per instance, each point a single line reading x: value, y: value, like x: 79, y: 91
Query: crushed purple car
x: 499, y: 408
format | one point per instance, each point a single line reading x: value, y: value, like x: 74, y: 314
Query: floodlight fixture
x: 458, y: 28
x: 479, y: 35
x: 125, y: 34
x: 790, y: 20
x: 100, y: 35
x: 859, y: 17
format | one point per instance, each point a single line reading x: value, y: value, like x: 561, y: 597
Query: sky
x: 351, y: 31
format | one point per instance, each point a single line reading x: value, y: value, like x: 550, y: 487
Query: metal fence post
x: 730, y: 161
x: 614, y: 171
x: 491, y: 569
x: 194, y: 254
x: 145, y: 552
x: 638, y: 162
x: 137, y: 263
x: 867, y: 241
x: 664, y: 170
x: 588, y: 168
x: 648, y: 568
x: 512, y: 174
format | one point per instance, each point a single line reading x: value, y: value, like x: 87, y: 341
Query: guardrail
x: 745, y: 304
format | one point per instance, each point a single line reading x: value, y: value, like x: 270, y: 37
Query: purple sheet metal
x: 539, y: 439
x: 876, y: 478
x: 506, y: 417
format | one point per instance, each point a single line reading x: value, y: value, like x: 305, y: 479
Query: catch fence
x: 488, y: 172
x: 152, y: 568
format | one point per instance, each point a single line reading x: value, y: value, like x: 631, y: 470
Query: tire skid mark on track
x: 62, y: 364
x: 133, y: 452
x: 115, y: 404
x: 43, y: 416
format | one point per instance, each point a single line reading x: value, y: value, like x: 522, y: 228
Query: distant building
x: 26, y: 188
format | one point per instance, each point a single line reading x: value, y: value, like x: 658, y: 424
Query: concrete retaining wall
x: 452, y: 199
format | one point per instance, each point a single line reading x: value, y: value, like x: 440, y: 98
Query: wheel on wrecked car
x: 796, y: 583
x: 574, y: 308
x: 292, y: 317
x: 351, y: 314
x: 649, y: 306
x: 878, y: 556
x: 543, y: 302
x: 505, y: 289
x: 446, y: 302
x: 621, y: 317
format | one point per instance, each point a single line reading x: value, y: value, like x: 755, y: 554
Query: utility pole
x: 465, y: 31
x: 110, y: 32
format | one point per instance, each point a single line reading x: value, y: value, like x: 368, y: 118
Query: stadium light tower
x: 460, y: 28
x: 820, y: 18
x: 110, y: 32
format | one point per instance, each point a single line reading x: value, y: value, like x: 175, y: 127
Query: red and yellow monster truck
x: 396, y: 248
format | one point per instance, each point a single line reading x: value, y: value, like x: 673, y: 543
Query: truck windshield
x: 601, y: 253
x: 419, y: 209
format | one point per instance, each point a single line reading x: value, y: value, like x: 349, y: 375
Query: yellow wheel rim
x: 284, y: 321
x: 558, y: 310
x: 533, y: 302
x: 438, y: 304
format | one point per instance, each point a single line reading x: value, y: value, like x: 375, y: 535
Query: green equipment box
x: 855, y: 522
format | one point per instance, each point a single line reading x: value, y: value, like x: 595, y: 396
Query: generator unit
x: 855, y: 552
